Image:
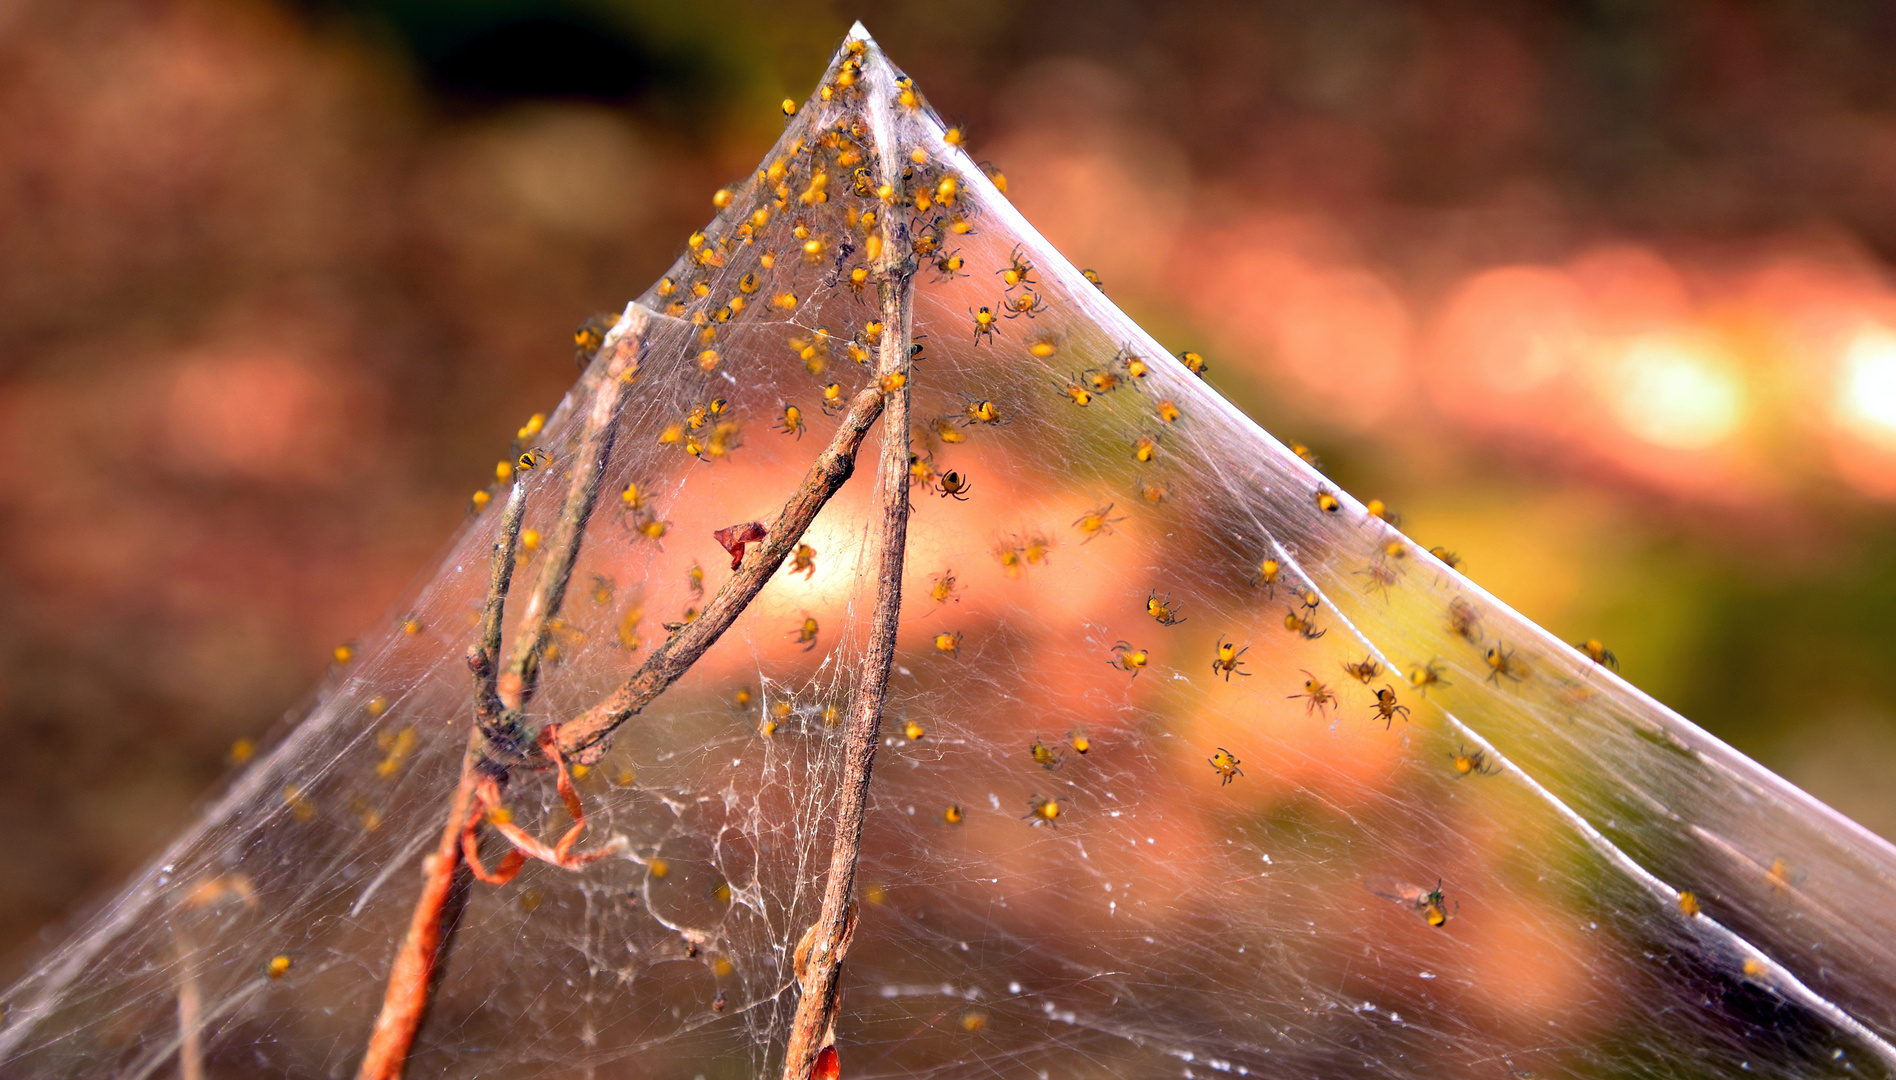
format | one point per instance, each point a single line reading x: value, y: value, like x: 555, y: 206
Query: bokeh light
x: 1676, y: 395
x: 1866, y: 398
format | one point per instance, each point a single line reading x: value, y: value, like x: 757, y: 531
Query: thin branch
x: 820, y: 955
x: 190, y: 1014
x: 483, y: 657
x: 588, y: 468
x: 498, y: 699
x: 583, y: 738
x: 411, y: 979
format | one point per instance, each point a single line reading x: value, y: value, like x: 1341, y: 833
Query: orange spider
x: 1028, y: 303
x: 1320, y: 696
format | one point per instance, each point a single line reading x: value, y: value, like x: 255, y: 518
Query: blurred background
x: 1596, y: 295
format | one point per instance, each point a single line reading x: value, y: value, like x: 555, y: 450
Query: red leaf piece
x: 734, y: 538
x: 827, y: 1067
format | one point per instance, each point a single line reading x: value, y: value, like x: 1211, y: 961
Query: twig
x: 583, y: 738
x: 411, y: 979
x: 190, y: 1014
x: 498, y: 732
x: 483, y: 657
x: 820, y: 954
x: 517, y: 682
x: 500, y: 739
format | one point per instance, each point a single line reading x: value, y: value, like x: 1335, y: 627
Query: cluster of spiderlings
x: 806, y: 231
x: 705, y: 432
x: 1294, y: 738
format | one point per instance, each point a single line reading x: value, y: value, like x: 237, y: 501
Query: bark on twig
x: 583, y: 738
x: 483, y: 657
x: 587, y: 470
x: 819, y: 970
x: 499, y: 735
x: 411, y: 979
x: 500, y: 740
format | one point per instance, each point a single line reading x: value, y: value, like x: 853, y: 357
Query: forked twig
x: 498, y: 734
x: 588, y: 468
x: 499, y: 738
x: 483, y: 657
x: 411, y: 978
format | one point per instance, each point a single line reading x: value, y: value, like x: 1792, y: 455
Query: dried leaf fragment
x: 734, y: 538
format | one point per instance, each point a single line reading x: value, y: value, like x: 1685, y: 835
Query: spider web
x: 1172, y: 920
